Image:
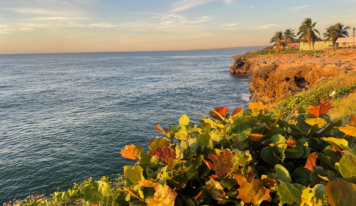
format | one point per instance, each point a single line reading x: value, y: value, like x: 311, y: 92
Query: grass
x: 337, y: 90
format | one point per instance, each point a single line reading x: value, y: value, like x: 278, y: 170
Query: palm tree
x: 336, y: 31
x: 289, y: 36
x: 307, y: 32
x: 278, y: 41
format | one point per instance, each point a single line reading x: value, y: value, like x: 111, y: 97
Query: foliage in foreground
x: 246, y: 158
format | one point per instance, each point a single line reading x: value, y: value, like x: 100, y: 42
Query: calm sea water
x: 65, y: 117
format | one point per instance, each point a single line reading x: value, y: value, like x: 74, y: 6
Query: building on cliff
x: 349, y: 43
x: 319, y: 45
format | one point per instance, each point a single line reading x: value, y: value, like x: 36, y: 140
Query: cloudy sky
x: 51, y: 26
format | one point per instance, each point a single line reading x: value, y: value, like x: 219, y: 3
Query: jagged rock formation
x: 280, y: 76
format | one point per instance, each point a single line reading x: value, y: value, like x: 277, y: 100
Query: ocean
x: 65, y: 117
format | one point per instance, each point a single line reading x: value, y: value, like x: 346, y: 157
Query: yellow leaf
x: 319, y: 121
x: 164, y: 196
x: 147, y: 183
x: 254, y: 192
x: 213, y: 124
x: 255, y: 137
x: 348, y: 130
x: 132, y: 152
x: 257, y: 105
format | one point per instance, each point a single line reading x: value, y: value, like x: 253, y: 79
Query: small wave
x: 245, y: 97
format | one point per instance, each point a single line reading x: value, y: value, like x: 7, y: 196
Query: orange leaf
x: 269, y: 182
x: 320, y: 110
x: 132, y: 152
x: 165, y: 153
x: 348, y: 130
x: 257, y: 105
x: 254, y: 192
x: 196, y: 197
x: 340, y: 193
x: 311, y: 161
x: 164, y: 196
x: 221, y: 110
x: 160, y: 129
x: 213, y: 176
x: 240, y: 179
x: 132, y: 192
x: 147, y: 183
x: 251, y: 175
x: 222, y: 164
x: 236, y: 111
x: 353, y: 121
x: 255, y: 137
x: 291, y: 142
x: 159, y: 142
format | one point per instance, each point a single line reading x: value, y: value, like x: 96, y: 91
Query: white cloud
x: 187, y: 4
x: 300, y: 7
x: 201, y: 19
x: 268, y: 26
x: 56, y: 19
x: 228, y: 2
x: 252, y: 7
x: 231, y: 24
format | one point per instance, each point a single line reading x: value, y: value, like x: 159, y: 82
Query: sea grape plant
x: 246, y: 158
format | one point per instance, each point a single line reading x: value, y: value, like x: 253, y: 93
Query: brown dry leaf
x: 222, y: 164
x: 270, y: 183
x: 215, y: 189
x: 348, y: 130
x: 353, y: 121
x: 147, y: 183
x: 255, y: 137
x: 132, y: 152
x: 320, y: 110
x: 164, y: 196
x: 165, y: 153
x: 254, y: 192
x: 159, y: 142
x: 160, y: 129
x: 340, y: 193
x: 311, y: 161
x: 257, y: 105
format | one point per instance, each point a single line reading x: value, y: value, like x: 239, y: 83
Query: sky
x: 61, y: 26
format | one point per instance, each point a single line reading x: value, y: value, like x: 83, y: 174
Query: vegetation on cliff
x: 247, y: 158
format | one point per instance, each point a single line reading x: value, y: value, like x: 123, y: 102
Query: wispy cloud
x: 231, y: 24
x: 228, y: 2
x: 187, y: 4
x: 268, y: 26
x: 56, y: 19
x: 299, y: 7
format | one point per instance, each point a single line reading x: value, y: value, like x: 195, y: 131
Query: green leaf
x: 184, y: 120
x: 267, y: 154
x: 282, y: 174
x: 288, y: 193
x: 278, y: 139
x: 96, y: 191
x: 182, y: 134
x: 347, y: 165
x: 134, y: 173
x: 204, y: 140
x: 302, y: 175
x: 241, y: 132
x: 314, y: 196
x: 335, y: 156
x: 295, y: 154
x: 193, y: 146
x: 340, y: 143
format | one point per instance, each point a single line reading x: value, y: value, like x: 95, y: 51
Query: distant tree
x: 278, y: 41
x: 308, y: 32
x: 336, y: 31
x: 289, y: 36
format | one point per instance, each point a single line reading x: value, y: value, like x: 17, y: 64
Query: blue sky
x: 40, y: 26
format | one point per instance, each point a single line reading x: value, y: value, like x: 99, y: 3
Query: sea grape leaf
x: 340, y: 143
x: 217, y: 135
x: 172, y: 163
x: 335, y: 156
x: 288, y: 193
x: 147, y: 183
x: 213, y: 124
x: 326, y: 161
x: 228, y: 182
x: 159, y: 142
x: 254, y: 137
x: 132, y: 152
x: 95, y: 191
x: 164, y: 196
x: 193, y: 146
x: 184, y: 120
x: 316, y: 121
x: 254, y: 192
x: 241, y: 132
x: 282, y: 174
x: 347, y: 165
x: 311, y: 161
x: 257, y: 106
x: 314, y: 196
x: 302, y: 175
x: 182, y: 134
x: 291, y: 143
x: 239, y: 159
x: 296, y: 152
x: 190, y: 170
x: 220, y: 110
x: 340, y: 193
x: 163, y: 175
x: 145, y: 160
x: 278, y: 139
x: 133, y: 173
x: 237, y: 111
x: 348, y: 130
x: 320, y: 110
x: 165, y: 153
x: 215, y: 189
x: 204, y: 140
x: 353, y: 120
x: 160, y: 129
x: 182, y: 150
x: 222, y: 164
x: 268, y: 155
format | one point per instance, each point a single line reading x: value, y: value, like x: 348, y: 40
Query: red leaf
x: 222, y: 164
x: 165, y: 153
x: 236, y: 111
x: 311, y: 161
x: 291, y: 142
x: 320, y: 110
x: 196, y: 197
x: 220, y: 110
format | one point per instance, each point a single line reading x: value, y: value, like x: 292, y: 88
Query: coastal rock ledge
x: 276, y: 77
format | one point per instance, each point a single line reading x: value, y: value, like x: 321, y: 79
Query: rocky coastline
x: 276, y: 77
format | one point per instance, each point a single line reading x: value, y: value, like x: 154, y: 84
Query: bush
x: 248, y: 157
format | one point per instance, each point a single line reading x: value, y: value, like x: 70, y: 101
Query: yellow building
x: 319, y: 45
x: 346, y: 43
